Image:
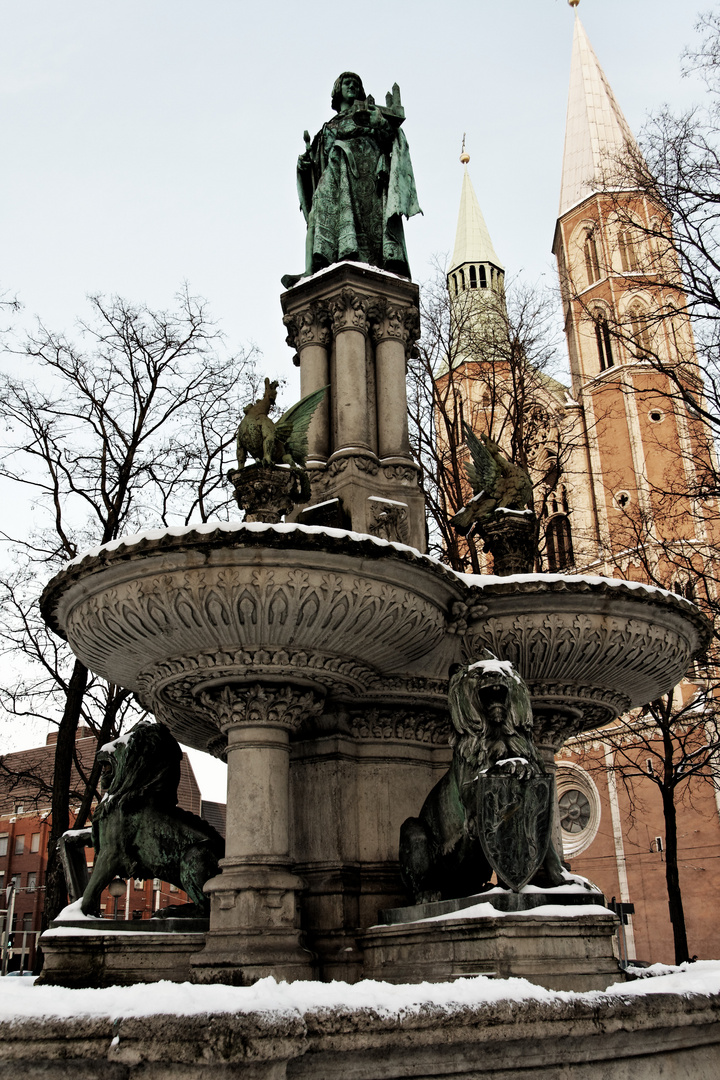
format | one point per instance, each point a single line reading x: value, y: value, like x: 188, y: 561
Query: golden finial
x: 573, y: 3
x: 464, y: 156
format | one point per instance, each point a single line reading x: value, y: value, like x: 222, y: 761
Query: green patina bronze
x: 139, y: 831
x: 491, y: 810
x: 284, y: 442
x: 355, y: 182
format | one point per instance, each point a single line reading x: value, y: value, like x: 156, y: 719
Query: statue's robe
x: 354, y: 191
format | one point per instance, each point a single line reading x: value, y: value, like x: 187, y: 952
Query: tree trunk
x: 672, y: 878
x: 55, y: 890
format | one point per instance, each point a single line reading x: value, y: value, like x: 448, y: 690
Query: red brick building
x: 25, y: 787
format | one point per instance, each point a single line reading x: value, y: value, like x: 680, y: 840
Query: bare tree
x: 673, y: 745
x: 489, y: 363
x: 130, y: 425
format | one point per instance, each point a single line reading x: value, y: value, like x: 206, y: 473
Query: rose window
x: 575, y: 811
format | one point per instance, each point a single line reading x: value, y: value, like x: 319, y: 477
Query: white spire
x: 596, y: 131
x: 472, y: 239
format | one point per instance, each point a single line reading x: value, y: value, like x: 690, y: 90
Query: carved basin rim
x: 232, y: 534
x: 570, y: 585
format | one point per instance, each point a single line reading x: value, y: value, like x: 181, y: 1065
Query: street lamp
x: 116, y: 889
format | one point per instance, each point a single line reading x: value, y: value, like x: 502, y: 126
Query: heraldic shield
x: 514, y: 818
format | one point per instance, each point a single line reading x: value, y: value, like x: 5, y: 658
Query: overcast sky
x: 149, y: 142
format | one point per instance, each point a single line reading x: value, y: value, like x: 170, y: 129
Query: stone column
x: 309, y: 333
x: 394, y: 328
x: 353, y: 423
x: 254, y: 923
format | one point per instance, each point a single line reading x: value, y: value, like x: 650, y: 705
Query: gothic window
x: 637, y: 314
x: 685, y: 588
x: 483, y: 278
x: 604, y: 343
x: 592, y: 263
x: 462, y: 280
x: 454, y: 277
x: 473, y: 278
x: 559, y: 543
x: 628, y: 251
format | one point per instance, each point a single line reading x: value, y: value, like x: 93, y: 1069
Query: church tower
x: 474, y: 264
x: 622, y: 336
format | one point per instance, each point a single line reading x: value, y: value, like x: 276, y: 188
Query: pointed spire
x: 472, y: 239
x: 596, y: 131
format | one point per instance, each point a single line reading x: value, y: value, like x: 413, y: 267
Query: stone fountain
x: 314, y: 658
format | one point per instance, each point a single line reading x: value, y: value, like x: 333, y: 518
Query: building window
x: 35, y: 842
x: 604, y: 343
x: 628, y: 251
x: 656, y: 416
x: 685, y: 588
x: 639, y: 329
x: 559, y: 543
x: 454, y: 277
x: 622, y: 499
x: 462, y: 280
x: 659, y: 846
x: 138, y: 884
x: 483, y: 278
x: 32, y: 882
x: 649, y: 766
x: 578, y: 808
x: 575, y: 811
x: 19, y: 845
x: 20, y: 808
x: 15, y: 879
x: 3, y: 844
x: 592, y: 263
x: 473, y: 278
x: 27, y: 921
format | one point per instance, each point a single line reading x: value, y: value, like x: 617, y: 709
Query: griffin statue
x: 497, y: 484
x: 284, y: 442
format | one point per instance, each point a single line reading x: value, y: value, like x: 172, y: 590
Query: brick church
x: 614, y: 458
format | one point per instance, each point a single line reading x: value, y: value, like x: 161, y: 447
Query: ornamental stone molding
x: 310, y: 325
x: 261, y: 705
x: 389, y: 321
x: 430, y: 728
x: 348, y: 311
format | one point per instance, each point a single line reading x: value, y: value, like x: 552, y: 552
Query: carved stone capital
x: 393, y: 322
x: 348, y: 311
x: 266, y: 706
x: 405, y: 725
x: 309, y: 326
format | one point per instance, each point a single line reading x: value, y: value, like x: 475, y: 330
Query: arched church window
x: 473, y: 278
x: 592, y: 263
x: 483, y: 278
x: 628, y: 251
x: 559, y: 543
x: 637, y: 314
x: 604, y: 342
x: 454, y: 277
x: 462, y: 280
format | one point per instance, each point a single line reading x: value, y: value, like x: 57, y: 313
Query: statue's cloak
x: 356, y: 193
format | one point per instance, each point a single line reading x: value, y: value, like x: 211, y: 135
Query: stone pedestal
x: 254, y: 919
x: 353, y: 328
x: 268, y: 492
x: 560, y: 953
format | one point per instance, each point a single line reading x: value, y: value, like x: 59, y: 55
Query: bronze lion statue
x: 139, y: 831
x: 441, y: 850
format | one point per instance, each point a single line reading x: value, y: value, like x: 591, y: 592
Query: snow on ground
x: 20, y: 999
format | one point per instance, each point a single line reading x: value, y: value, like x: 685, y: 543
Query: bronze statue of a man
x: 355, y: 182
